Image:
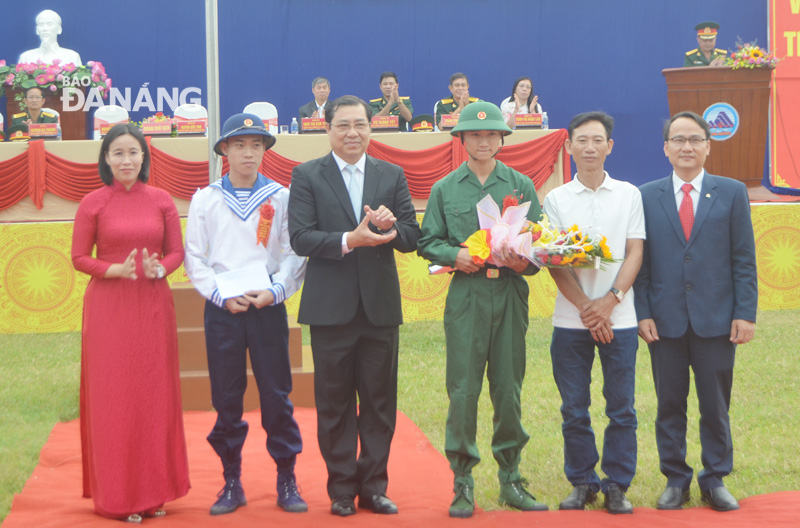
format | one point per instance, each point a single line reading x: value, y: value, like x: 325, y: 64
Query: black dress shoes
x: 616, y: 501
x: 673, y: 498
x: 719, y: 499
x: 578, y: 498
x: 343, y: 507
x: 378, y: 503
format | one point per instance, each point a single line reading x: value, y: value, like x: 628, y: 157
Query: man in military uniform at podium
x: 459, y: 88
x: 705, y: 54
x: 391, y: 104
x: 34, y: 112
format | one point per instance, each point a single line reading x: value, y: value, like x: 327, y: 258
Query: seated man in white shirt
x: 321, y: 88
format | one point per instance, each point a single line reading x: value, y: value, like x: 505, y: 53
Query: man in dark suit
x: 696, y: 297
x: 348, y: 212
x: 321, y: 88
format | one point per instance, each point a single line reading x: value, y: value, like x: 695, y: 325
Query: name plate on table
x: 45, y: 130
x: 191, y: 127
x: 313, y: 124
x: 386, y: 123
x: 448, y: 121
x: 528, y: 120
x: 157, y: 128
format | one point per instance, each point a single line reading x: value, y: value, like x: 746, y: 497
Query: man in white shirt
x: 238, y: 222
x: 595, y: 309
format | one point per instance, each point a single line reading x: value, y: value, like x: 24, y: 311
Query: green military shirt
x: 447, y: 106
x: 451, y: 215
x: 378, y: 104
x: 44, y: 117
x: 695, y: 57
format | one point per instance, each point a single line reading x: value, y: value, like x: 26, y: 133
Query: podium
x: 742, y: 155
x: 73, y: 123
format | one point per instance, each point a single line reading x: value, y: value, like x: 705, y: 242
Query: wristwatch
x: 618, y: 294
x: 160, y: 271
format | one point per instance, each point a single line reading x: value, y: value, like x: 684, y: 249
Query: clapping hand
x: 363, y: 235
x: 150, y: 264
x: 125, y: 270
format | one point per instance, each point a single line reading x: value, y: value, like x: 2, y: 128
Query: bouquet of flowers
x: 749, y: 55
x: 574, y: 247
x: 540, y: 242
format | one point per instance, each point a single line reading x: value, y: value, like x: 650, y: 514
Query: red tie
x: 686, y: 212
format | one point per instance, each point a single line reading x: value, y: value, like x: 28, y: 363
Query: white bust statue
x: 48, y: 27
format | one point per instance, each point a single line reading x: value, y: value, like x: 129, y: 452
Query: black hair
x: 530, y: 96
x: 601, y: 117
x: 347, y: 100
x: 688, y: 115
x: 456, y: 76
x: 116, y: 131
x: 386, y: 74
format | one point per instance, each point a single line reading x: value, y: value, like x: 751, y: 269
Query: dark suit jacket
x: 319, y: 213
x: 309, y: 108
x: 709, y: 280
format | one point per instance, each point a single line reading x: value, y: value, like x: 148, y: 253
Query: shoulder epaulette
x: 721, y: 52
x: 378, y: 100
x: 48, y: 114
x: 21, y: 114
x: 446, y: 101
x: 691, y: 52
x: 473, y: 99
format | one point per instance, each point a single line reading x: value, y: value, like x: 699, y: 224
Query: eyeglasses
x: 344, y: 128
x: 694, y: 141
x: 34, y: 97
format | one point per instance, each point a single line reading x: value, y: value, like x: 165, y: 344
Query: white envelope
x: 237, y: 282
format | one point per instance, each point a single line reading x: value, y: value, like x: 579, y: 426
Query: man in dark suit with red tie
x: 696, y: 297
x: 348, y: 212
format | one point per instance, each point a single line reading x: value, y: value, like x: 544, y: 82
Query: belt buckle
x: 492, y: 273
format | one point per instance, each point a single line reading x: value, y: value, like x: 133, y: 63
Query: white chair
x: 3, y: 130
x: 267, y: 112
x: 108, y: 115
x: 192, y: 112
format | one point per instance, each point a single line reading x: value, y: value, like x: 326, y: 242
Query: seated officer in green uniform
x: 34, y: 112
x: 705, y: 54
x: 486, y: 312
x: 459, y: 88
x: 391, y: 104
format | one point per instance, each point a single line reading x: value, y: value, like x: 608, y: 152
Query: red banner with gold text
x: 784, y: 30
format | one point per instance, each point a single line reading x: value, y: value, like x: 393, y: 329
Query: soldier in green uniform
x: 706, y: 54
x: 34, y: 113
x: 391, y: 103
x: 459, y: 88
x: 486, y: 312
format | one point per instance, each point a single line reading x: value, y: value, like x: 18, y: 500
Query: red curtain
x: 36, y: 170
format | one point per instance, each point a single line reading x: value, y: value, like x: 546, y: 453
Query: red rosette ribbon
x: 267, y: 212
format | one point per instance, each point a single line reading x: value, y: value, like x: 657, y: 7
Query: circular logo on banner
x: 723, y: 120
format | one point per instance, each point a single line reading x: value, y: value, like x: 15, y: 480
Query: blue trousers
x: 572, y: 352
x: 265, y: 333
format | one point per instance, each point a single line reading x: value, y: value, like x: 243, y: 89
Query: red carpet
x: 420, y: 483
